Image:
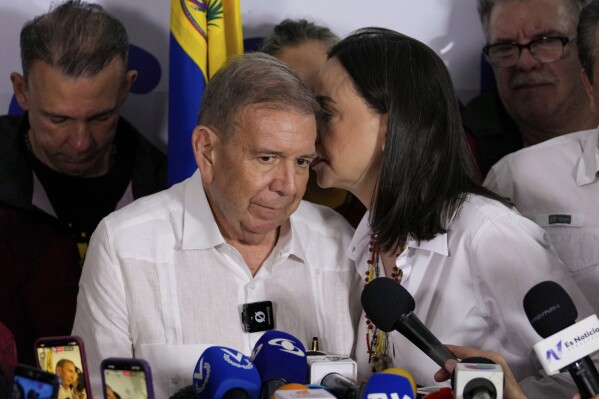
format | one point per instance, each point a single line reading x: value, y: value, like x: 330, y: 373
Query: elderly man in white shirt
x: 555, y: 183
x: 168, y: 275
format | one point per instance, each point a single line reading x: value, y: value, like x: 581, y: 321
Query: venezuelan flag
x: 204, y: 34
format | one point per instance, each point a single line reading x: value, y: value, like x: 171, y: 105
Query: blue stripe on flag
x: 186, y: 86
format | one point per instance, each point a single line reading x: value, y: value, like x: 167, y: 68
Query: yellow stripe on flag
x: 189, y: 27
x: 209, y: 31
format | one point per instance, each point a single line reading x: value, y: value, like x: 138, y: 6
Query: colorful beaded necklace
x: 377, y: 340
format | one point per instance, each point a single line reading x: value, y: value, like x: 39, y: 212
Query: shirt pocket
x: 577, y: 246
x: 172, y: 365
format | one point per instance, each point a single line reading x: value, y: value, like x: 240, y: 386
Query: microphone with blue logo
x: 280, y: 359
x: 567, y: 344
x: 224, y: 373
x: 391, y: 383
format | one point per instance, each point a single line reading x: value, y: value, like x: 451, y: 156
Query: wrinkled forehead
x: 527, y: 19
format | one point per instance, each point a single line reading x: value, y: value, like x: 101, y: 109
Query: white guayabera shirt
x: 160, y: 283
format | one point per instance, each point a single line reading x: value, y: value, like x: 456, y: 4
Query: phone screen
x: 33, y: 383
x: 126, y: 378
x: 64, y: 356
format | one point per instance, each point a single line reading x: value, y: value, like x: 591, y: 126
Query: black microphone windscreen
x: 549, y: 308
x: 384, y: 301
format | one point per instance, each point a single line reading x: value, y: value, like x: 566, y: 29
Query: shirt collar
x: 200, y: 230
x: 588, y: 165
x: 438, y: 244
x: 361, y: 239
x: 290, y: 240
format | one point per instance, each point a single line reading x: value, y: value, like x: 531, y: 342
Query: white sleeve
x: 510, y: 256
x: 101, y: 318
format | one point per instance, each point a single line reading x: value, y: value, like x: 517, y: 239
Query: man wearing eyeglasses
x: 531, y: 46
x: 556, y: 183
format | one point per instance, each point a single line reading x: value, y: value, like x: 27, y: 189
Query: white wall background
x: 450, y: 27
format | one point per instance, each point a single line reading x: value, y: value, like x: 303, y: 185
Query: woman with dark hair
x: 392, y: 136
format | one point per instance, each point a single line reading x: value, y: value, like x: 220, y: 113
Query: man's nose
x: 285, y: 179
x: 81, y: 137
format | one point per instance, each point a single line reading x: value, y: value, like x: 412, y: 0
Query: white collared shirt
x: 555, y: 184
x: 160, y: 283
x: 469, y: 285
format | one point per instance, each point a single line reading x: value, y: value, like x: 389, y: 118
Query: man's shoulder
x: 153, y: 209
x: 9, y: 131
x: 553, y: 153
x: 9, y: 122
x: 15, y: 170
x: 321, y: 220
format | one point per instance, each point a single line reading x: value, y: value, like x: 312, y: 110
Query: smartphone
x: 65, y: 357
x: 126, y: 378
x: 29, y: 382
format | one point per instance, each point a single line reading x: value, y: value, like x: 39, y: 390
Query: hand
x: 577, y: 396
x: 511, y: 388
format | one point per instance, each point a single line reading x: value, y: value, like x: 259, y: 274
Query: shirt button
x: 175, y: 380
x: 317, y: 271
x: 252, y: 285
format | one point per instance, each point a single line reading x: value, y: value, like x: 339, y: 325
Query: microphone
x: 280, y: 358
x: 391, y: 307
x: 567, y: 344
x: 477, y: 378
x: 224, y: 373
x: 341, y: 386
x: 390, y: 385
x: 334, y: 372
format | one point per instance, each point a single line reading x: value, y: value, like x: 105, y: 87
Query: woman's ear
x: 383, y: 126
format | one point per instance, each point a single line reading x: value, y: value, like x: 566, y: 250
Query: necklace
x: 376, y: 340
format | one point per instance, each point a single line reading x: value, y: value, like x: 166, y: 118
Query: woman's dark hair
x: 427, y: 168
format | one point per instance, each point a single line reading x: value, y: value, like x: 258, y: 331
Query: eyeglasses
x: 544, y: 49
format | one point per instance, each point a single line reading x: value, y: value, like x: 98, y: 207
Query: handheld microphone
x: 567, y: 344
x: 391, y: 307
x: 224, y: 373
x: 477, y: 378
x: 390, y: 385
x: 280, y: 358
x: 341, y: 386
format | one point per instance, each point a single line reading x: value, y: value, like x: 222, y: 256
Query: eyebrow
x: 259, y: 151
x: 550, y: 32
x: 324, y: 100
x: 101, y: 113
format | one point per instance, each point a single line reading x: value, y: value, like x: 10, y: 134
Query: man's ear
x: 130, y: 77
x: 19, y: 86
x: 588, y: 87
x: 204, y: 142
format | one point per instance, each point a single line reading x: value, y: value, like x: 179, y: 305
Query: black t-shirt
x: 81, y: 202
